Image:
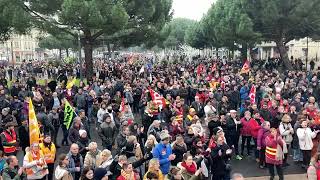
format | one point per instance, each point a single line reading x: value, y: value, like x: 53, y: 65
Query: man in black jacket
x: 233, y: 132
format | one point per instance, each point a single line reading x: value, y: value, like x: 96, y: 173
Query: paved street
x: 247, y: 166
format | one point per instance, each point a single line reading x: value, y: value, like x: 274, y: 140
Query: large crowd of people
x: 210, y: 114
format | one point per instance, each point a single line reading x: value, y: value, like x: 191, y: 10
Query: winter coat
x: 233, y: 129
x: 92, y: 159
x: 83, y: 143
x: 219, y: 163
x: 108, y: 133
x: 72, y: 164
x: 188, y: 139
x: 74, y: 134
x: 255, y: 126
x: 262, y: 134
x: 178, y: 150
x: 121, y: 141
x: 62, y: 173
x: 244, y: 93
x: 305, y: 136
x: 286, y: 132
x: 162, y: 152
x: 246, y: 128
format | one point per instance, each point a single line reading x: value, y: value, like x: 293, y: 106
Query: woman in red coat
x: 246, y: 132
x: 255, y: 126
x: 274, y: 153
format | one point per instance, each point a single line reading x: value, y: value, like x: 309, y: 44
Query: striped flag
x: 34, y: 131
x: 157, y: 98
x: 252, y: 94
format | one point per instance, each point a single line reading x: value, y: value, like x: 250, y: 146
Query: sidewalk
x: 289, y: 177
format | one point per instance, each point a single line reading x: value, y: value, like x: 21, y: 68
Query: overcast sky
x: 192, y: 9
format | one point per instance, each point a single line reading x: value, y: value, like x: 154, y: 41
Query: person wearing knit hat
x: 82, y: 132
x: 163, y: 152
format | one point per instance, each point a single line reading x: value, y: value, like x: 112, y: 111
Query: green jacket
x: 12, y: 174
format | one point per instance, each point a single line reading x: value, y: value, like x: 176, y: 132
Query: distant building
x: 21, y: 47
x: 296, y: 48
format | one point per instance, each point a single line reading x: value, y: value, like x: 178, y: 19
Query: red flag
x: 214, y: 67
x: 245, y: 67
x: 122, y: 106
x: 252, y: 94
x: 200, y: 69
x: 156, y: 98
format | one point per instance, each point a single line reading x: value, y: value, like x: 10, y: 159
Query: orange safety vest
x: 30, y: 171
x: 49, y: 153
x: 271, y: 153
x: 11, y: 138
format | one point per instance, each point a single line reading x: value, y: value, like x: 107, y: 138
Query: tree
x: 12, y: 20
x: 284, y: 20
x: 195, y: 36
x: 173, y: 33
x: 113, y: 20
x: 231, y: 25
x: 61, y: 42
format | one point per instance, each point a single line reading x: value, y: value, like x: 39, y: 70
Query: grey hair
x: 237, y: 176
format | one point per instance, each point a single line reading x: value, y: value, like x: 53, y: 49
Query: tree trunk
x: 244, y: 52
x: 67, y: 52
x: 283, y: 54
x: 87, y: 42
x: 60, y: 54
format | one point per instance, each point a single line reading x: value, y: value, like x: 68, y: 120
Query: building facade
x: 298, y: 49
x: 21, y: 47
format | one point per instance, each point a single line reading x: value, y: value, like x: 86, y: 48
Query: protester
x: 261, y: 143
x: 49, y: 152
x: 275, y: 149
x: 314, y: 168
x: 92, y: 158
x: 61, y: 171
x: 107, y: 132
x: 154, y: 168
x: 305, y: 135
x: 9, y: 140
x: 75, y: 166
x: 87, y: 174
x: 163, y: 152
x: 13, y: 171
x: 34, y: 163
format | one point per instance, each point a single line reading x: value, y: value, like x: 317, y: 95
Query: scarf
x: 190, y: 169
x: 127, y: 176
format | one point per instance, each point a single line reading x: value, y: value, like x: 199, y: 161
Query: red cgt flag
x: 252, y: 94
x: 245, y: 67
x: 214, y: 67
x: 159, y: 100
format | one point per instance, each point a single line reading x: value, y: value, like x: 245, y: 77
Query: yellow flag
x: 71, y: 83
x: 34, y: 131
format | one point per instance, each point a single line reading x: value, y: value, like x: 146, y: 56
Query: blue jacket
x: 162, y: 153
x: 244, y: 93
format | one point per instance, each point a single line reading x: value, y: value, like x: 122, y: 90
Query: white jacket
x: 305, y: 136
x: 286, y: 132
